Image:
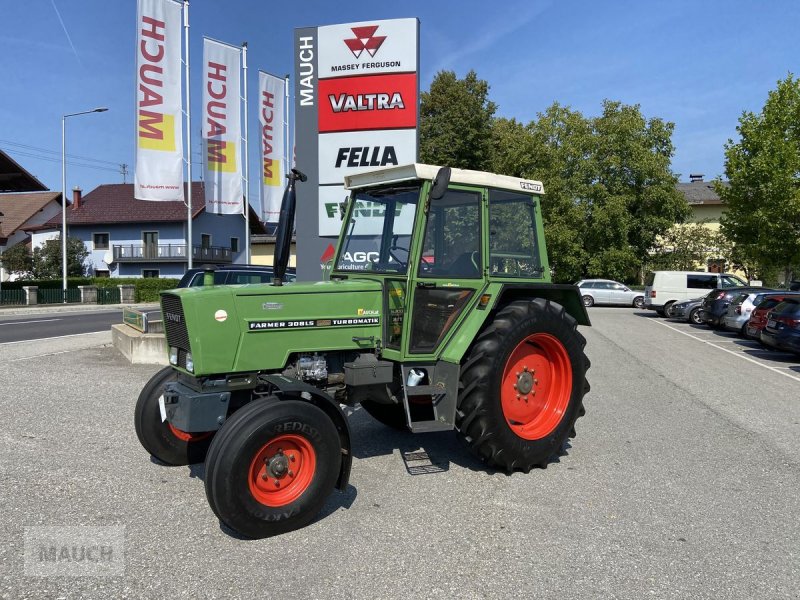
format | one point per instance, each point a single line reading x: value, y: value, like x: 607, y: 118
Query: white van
x: 664, y: 288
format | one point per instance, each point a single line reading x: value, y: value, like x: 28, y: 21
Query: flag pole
x: 286, y: 150
x: 246, y: 206
x: 188, y: 139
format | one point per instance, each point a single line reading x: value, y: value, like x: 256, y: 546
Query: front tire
x: 694, y: 316
x: 272, y: 467
x: 588, y: 301
x: 668, y: 310
x: 165, y: 442
x: 523, y: 383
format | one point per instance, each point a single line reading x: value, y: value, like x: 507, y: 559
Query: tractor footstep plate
x: 420, y: 463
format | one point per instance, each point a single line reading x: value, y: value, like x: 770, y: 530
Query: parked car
x: 232, y: 274
x: 783, y: 326
x: 665, y: 288
x: 606, y: 291
x: 688, y: 310
x: 741, y: 307
x: 715, y: 304
x: 758, y: 318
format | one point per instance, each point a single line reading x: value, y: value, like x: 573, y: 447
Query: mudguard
x: 287, y: 388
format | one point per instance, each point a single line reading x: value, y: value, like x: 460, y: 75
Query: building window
x: 234, y: 244
x: 205, y: 240
x: 101, y: 273
x: 150, y: 273
x: 101, y: 241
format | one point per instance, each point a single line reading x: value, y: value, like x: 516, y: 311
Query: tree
x: 17, y: 260
x: 609, y: 191
x: 684, y: 247
x: 47, y: 259
x: 763, y: 168
x: 456, y: 121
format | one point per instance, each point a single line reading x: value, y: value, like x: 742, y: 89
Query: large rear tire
x: 391, y: 415
x: 523, y: 383
x: 272, y: 467
x: 165, y: 442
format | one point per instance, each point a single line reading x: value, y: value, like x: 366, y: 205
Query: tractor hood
x: 245, y: 328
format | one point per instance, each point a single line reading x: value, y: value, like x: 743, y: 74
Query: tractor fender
x: 565, y: 294
x: 286, y: 388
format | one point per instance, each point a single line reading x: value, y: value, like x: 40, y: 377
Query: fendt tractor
x: 437, y: 314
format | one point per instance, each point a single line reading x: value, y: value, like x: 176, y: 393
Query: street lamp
x: 64, y: 193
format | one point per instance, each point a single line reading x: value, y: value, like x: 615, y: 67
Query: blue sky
x: 698, y: 64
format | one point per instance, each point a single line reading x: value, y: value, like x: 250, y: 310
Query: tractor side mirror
x: 440, y: 183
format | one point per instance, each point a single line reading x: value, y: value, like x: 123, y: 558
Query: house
x: 707, y: 207
x: 126, y: 237
x: 24, y: 202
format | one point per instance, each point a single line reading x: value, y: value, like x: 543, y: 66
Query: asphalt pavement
x: 683, y: 482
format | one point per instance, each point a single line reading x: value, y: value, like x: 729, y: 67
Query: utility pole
x: 123, y: 168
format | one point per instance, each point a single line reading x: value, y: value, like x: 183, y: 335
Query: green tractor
x: 438, y: 314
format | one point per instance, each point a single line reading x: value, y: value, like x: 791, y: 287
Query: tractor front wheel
x: 160, y: 438
x: 523, y: 383
x: 272, y: 467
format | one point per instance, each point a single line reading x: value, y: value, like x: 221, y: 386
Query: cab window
x: 452, y: 242
x: 513, y: 251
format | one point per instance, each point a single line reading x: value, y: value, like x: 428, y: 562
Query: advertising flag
x: 159, y: 140
x: 271, y: 116
x: 222, y: 132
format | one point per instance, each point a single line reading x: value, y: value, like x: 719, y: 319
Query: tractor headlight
x: 189, y: 362
x: 173, y: 355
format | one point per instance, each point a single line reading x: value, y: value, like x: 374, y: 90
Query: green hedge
x: 147, y: 289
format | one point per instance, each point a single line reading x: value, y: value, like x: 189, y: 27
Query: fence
x: 8, y: 297
x: 109, y: 295
x: 58, y: 296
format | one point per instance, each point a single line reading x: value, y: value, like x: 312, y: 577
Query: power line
x: 69, y: 162
x: 56, y: 152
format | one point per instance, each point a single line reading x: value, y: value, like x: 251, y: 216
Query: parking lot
x: 683, y: 481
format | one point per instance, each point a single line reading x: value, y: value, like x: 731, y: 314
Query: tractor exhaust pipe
x: 283, y: 236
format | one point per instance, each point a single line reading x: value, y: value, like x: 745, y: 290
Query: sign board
x: 357, y: 109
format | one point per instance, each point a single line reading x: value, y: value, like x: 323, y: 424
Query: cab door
x: 449, y: 271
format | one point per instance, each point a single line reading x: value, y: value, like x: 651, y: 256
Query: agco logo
x: 365, y: 40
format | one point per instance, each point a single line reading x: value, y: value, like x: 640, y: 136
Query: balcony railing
x: 170, y: 253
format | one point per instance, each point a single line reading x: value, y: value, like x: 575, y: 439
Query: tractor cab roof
x: 417, y: 171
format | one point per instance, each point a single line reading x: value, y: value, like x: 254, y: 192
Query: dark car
x: 688, y: 310
x: 232, y: 275
x: 783, y: 327
x: 715, y: 304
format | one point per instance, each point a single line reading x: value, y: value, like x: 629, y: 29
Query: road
x: 683, y: 482
x: 56, y: 324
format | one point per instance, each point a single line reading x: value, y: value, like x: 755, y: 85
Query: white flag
x: 271, y: 116
x: 222, y: 132
x: 159, y: 134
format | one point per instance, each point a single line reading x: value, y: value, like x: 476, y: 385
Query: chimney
x: 76, y: 197
x: 696, y: 178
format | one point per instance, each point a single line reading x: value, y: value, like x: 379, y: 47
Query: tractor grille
x: 175, y: 326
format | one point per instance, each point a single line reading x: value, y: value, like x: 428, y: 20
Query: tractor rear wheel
x: 160, y: 438
x: 523, y: 382
x: 391, y: 415
x: 272, y: 467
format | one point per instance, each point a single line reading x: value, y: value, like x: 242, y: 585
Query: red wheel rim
x: 187, y: 436
x: 536, y: 386
x: 282, y: 470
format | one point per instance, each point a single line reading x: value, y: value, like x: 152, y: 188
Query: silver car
x: 606, y: 291
x: 740, y: 308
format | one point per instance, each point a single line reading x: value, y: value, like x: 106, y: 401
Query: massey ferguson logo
x: 365, y: 40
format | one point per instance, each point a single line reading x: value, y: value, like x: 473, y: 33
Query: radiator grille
x: 175, y: 324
